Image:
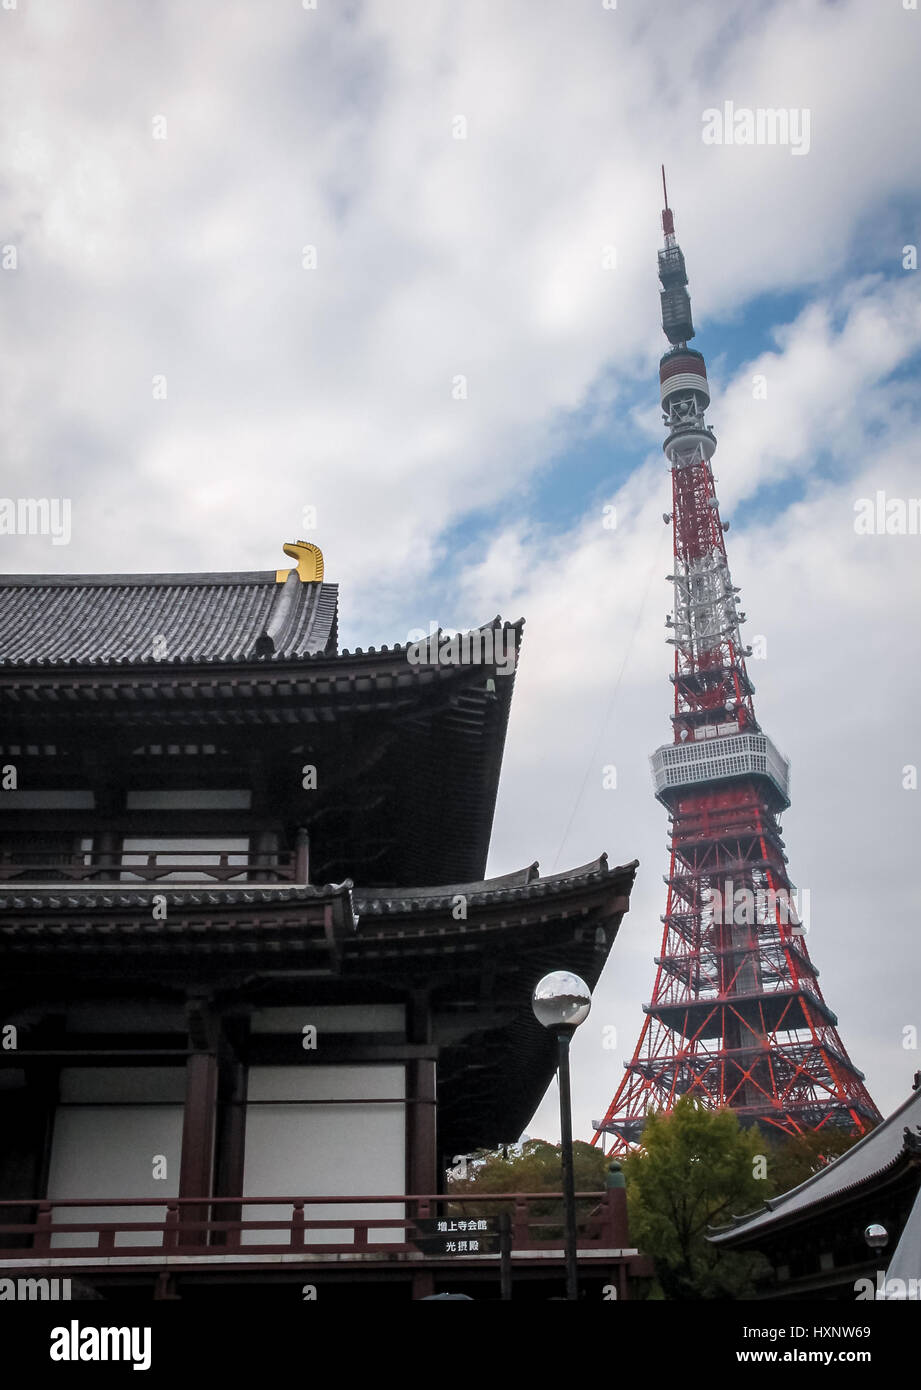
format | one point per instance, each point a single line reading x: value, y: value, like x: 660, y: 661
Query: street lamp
x: 562, y: 1001
x: 876, y: 1236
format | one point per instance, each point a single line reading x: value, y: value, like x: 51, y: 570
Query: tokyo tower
x: 737, y: 1016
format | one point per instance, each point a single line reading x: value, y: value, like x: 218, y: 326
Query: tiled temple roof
x: 523, y: 885
x: 495, y: 1060
x: 881, y: 1149
x: 520, y: 885
x: 116, y: 619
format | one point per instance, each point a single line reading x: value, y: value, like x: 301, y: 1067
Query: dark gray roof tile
x: 875, y: 1152
x: 100, y: 619
x: 519, y: 886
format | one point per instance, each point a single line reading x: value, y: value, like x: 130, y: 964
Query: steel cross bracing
x: 737, y: 1016
x: 710, y: 675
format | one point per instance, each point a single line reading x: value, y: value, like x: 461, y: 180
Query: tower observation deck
x: 737, y: 1017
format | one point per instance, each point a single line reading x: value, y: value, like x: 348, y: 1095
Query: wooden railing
x: 131, y: 866
x: 395, y: 1225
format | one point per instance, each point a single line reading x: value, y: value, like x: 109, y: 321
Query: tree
x: 534, y: 1166
x: 696, y: 1169
x: 797, y: 1157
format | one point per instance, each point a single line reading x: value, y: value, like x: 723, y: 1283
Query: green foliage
x: 535, y: 1167
x: 793, y: 1160
x: 696, y: 1170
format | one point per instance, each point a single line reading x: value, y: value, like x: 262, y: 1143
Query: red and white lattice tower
x: 737, y: 1016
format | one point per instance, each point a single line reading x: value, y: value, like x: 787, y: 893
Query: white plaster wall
x: 108, y: 1150
x: 300, y: 1150
x: 331, y: 1018
x: 191, y: 799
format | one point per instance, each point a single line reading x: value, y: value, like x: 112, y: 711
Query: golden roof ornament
x: 309, y: 557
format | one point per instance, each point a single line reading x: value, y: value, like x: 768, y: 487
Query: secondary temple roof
x: 891, y: 1144
x: 495, y: 1060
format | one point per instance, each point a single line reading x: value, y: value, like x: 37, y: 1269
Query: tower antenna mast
x: 668, y: 221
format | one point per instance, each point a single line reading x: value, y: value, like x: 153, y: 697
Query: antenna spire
x: 668, y: 221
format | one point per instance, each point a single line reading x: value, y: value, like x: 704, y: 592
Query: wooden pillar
x: 108, y: 849
x: 264, y: 837
x: 422, y: 1175
x: 422, y: 1148
x: 617, y: 1231
x: 45, y: 1087
x: 423, y: 1284
x: 231, y: 1144
x: 266, y: 852
x: 26, y: 1126
x: 198, y: 1123
x: 111, y: 801
x: 302, y: 857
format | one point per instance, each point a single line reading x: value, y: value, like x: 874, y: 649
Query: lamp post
x: 561, y: 1001
x: 877, y: 1238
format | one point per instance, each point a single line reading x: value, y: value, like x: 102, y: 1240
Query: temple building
x: 255, y: 992
x: 852, y: 1231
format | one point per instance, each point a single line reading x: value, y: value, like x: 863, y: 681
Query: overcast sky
x: 396, y: 262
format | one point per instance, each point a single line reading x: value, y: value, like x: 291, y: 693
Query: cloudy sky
x: 395, y: 262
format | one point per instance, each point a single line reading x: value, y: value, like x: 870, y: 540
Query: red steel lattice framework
x: 737, y: 1016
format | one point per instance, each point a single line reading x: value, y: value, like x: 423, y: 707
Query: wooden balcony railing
x: 133, y: 866
x: 368, y: 1226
